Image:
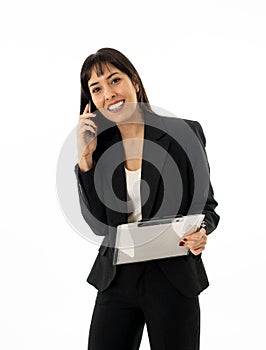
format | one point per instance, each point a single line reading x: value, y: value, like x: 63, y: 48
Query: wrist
x: 85, y: 163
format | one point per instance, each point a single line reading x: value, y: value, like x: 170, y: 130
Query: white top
x: 133, y: 178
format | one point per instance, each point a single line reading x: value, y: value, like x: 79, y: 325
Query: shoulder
x: 197, y: 128
x: 172, y: 122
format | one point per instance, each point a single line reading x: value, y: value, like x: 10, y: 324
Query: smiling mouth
x: 116, y: 107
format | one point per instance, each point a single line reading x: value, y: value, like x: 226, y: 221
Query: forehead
x: 102, y: 70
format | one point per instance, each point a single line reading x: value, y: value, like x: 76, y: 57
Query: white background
x: 202, y: 60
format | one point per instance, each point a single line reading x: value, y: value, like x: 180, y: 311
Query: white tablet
x: 154, y: 239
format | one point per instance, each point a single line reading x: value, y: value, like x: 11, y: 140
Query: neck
x: 133, y: 128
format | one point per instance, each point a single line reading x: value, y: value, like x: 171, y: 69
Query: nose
x: 109, y: 93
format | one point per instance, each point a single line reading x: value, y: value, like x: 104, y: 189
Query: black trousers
x: 141, y: 294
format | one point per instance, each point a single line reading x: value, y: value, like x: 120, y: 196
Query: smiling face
x: 114, y: 94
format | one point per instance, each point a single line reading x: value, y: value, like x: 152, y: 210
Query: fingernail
x: 181, y: 244
x: 185, y: 239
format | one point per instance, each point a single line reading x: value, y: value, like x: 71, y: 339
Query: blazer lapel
x: 114, y: 184
x: 153, y: 161
x: 152, y: 167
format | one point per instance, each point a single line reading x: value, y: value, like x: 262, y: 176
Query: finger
x: 194, y: 235
x: 198, y: 239
x: 88, y: 128
x: 200, y: 233
x: 86, y: 110
x: 87, y: 115
x: 197, y: 252
x: 193, y: 244
x: 197, y: 235
x: 89, y: 122
x: 203, y: 230
x: 197, y: 246
x: 193, y: 240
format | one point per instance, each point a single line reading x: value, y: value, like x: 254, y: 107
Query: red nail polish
x: 181, y: 244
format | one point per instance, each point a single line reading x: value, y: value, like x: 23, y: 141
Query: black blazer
x: 176, y: 169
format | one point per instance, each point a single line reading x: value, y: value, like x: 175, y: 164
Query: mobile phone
x: 92, y: 134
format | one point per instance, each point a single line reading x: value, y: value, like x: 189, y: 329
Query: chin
x: 123, y: 116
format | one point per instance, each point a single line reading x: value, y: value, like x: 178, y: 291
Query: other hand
x: 196, y: 241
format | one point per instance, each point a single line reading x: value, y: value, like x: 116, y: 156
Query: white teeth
x: 116, y: 105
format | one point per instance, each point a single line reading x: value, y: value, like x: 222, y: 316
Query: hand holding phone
x: 86, y: 134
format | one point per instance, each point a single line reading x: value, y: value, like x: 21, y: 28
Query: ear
x: 136, y: 87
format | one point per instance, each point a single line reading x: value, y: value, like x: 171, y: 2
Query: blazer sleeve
x: 92, y: 208
x: 211, y: 217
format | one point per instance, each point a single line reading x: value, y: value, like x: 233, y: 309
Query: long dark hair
x: 99, y: 61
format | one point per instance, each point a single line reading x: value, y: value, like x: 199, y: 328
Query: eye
x: 115, y: 80
x: 95, y: 90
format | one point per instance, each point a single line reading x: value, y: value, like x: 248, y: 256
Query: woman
x: 161, y: 293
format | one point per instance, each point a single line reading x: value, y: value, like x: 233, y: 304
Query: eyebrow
x: 109, y: 76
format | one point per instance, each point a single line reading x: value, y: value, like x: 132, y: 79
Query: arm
x: 196, y: 241
x: 211, y: 217
x: 92, y: 209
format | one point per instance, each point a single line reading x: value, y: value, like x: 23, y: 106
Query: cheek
x: 97, y: 101
x: 127, y: 89
x: 133, y: 94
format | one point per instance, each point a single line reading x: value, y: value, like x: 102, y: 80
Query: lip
x: 117, y: 109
